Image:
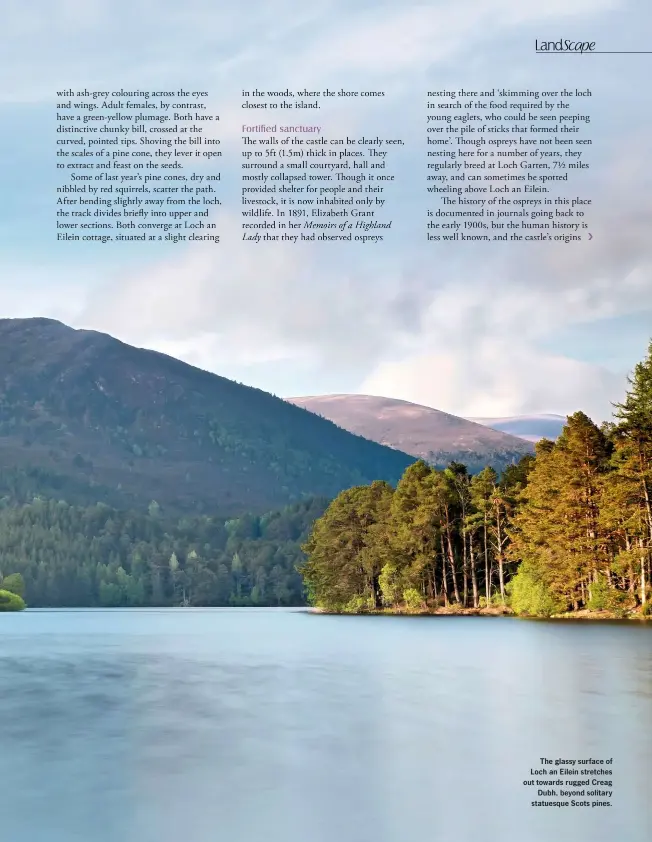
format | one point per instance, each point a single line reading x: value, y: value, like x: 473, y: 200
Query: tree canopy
x: 63, y: 556
x: 565, y: 530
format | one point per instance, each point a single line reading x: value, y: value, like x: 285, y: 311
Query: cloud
x: 257, y: 301
x: 416, y: 36
x: 58, y: 290
x: 459, y: 330
x: 496, y: 378
x: 463, y: 332
x: 480, y: 348
x: 48, y: 43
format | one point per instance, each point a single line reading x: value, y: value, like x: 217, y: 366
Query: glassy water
x: 253, y: 725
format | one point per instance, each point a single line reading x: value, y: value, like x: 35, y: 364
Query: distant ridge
x: 422, y: 431
x: 531, y: 428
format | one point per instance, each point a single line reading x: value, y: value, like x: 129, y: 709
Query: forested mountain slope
x: 86, y: 418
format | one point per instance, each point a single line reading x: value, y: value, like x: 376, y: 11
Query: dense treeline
x: 98, y: 556
x: 566, y: 530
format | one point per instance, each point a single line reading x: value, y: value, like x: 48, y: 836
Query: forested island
x: 565, y: 532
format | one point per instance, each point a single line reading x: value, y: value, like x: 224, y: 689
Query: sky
x: 491, y: 330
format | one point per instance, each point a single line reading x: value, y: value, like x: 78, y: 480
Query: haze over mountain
x: 419, y: 430
x: 86, y: 417
x: 529, y: 427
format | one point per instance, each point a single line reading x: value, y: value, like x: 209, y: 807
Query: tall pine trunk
x: 451, y: 559
x: 487, y: 577
x: 465, y: 568
x: 444, y: 582
x: 500, y: 554
x: 648, y: 512
x: 474, y: 573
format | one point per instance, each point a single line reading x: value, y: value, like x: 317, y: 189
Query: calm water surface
x: 253, y: 725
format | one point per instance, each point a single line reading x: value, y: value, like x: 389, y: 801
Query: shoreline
x: 604, y: 616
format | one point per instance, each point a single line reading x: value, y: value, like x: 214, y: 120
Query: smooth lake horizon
x: 281, y: 725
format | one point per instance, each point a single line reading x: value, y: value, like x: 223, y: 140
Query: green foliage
x: 413, y: 599
x: 414, y: 510
x: 530, y: 595
x: 14, y: 583
x: 359, y: 604
x: 557, y: 526
x: 390, y: 584
x: 495, y: 600
x: 154, y: 510
x: 345, y: 549
x: 604, y: 597
x: 98, y: 556
x: 567, y: 529
x: 11, y: 601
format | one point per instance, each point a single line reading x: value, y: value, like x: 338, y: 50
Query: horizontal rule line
x: 594, y: 52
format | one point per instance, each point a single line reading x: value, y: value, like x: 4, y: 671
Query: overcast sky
x: 487, y: 331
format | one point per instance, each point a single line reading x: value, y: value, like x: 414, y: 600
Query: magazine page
x: 325, y: 421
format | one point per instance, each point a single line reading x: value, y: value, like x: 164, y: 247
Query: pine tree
x: 482, y: 490
x: 559, y: 528
x: 343, y: 565
x: 459, y: 480
x: 634, y: 434
x: 413, y: 535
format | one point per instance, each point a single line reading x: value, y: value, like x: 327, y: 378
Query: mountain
x: 86, y: 418
x: 529, y: 427
x: 419, y: 430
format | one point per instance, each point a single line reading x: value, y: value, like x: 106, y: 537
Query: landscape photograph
x: 321, y: 535
x: 117, y: 460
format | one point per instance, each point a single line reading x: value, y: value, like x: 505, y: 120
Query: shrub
x: 530, y: 595
x: 11, y: 601
x: 604, y: 597
x: 389, y: 582
x: 358, y: 604
x: 413, y: 599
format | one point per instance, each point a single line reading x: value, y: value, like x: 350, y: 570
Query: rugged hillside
x: 419, y: 430
x: 529, y: 427
x: 85, y: 417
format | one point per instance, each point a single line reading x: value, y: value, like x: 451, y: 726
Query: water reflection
x: 279, y: 725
